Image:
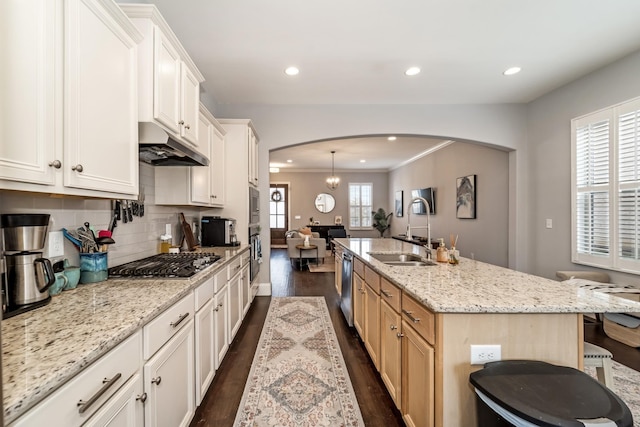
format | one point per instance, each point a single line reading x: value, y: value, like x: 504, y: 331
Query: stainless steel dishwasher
x: 346, y: 301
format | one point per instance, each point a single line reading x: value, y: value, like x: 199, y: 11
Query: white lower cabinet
x: 169, y: 382
x: 235, y: 305
x: 221, y: 302
x: 205, y: 349
x: 76, y: 401
x: 247, y: 295
x: 124, y: 409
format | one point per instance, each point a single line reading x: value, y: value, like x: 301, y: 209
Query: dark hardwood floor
x: 223, y: 398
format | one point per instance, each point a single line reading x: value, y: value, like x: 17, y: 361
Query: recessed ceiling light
x: 391, y: 138
x: 289, y: 161
x: 363, y: 161
x: 291, y: 71
x: 274, y: 170
x: 511, y: 71
x: 412, y: 71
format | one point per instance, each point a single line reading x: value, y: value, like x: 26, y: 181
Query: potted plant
x: 381, y: 221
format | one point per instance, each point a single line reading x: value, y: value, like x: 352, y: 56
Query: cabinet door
x: 221, y: 324
x: 253, y: 157
x: 390, y: 351
x: 200, y: 176
x: 205, y: 350
x: 124, y: 409
x: 417, y: 379
x: 100, y: 101
x: 190, y: 106
x: 166, y: 82
x: 235, y: 305
x: 338, y: 272
x: 372, y: 325
x: 217, y: 167
x: 169, y: 382
x: 30, y: 85
x: 246, y: 289
x: 358, y: 304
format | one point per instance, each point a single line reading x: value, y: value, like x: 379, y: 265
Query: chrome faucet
x: 428, y: 227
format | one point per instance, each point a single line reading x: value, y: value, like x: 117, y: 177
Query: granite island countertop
x: 477, y: 287
x: 44, y: 348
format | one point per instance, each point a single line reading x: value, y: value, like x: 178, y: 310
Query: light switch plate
x: 549, y: 223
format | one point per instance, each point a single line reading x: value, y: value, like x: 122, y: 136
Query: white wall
x: 549, y: 129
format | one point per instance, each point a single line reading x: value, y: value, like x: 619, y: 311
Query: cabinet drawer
x: 245, y: 258
x: 373, y: 279
x: 422, y: 320
x: 158, y: 331
x: 220, y: 279
x: 203, y: 293
x: 358, y: 266
x: 61, y: 408
x: 234, y: 267
x: 391, y: 294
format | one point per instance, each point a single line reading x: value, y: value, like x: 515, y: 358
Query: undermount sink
x: 406, y: 260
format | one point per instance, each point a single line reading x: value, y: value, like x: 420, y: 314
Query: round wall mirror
x: 325, y: 202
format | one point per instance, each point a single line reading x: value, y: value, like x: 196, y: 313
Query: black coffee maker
x: 28, y: 275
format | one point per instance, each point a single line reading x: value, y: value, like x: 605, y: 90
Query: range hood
x: 159, y: 148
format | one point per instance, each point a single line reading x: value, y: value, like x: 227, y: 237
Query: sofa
x: 294, y: 238
x: 623, y: 327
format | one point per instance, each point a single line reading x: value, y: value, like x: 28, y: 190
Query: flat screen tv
x: 429, y: 194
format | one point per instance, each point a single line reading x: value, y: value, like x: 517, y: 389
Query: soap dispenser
x: 442, y: 255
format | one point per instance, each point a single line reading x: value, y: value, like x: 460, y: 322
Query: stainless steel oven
x: 256, y: 250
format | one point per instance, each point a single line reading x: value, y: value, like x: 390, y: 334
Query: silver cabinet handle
x: 394, y: 327
x: 156, y: 381
x: 187, y: 126
x: 83, y: 406
x: 410, y: 316
x: 180, y: 320
x: 142, y: 398
x: 77, y: 168
x: 56, y: 164
x: 386, y: 294
x: 181, y: 122
x: 399, y: 335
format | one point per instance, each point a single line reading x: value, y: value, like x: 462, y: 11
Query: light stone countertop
x: 477, y: 287
x: 44, y: 348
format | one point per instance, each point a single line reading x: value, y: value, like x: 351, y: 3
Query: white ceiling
x: 356, y: 51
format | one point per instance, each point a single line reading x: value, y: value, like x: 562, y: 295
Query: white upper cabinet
x: 169, y: 81
x: 69, y: 84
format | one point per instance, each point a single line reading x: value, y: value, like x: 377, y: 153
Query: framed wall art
x: 466, y: 197
x: 398, y: 203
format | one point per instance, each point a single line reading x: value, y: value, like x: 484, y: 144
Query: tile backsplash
x: 134, y: 240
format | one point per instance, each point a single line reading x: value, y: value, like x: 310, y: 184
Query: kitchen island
x: 45, y: 348
x: 447, y: 308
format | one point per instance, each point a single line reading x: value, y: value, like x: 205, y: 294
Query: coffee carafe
x: 28, y: 275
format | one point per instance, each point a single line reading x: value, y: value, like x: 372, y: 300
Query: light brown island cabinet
x: 372, y: 315
x: 358, y: 304
x: 390, y: 339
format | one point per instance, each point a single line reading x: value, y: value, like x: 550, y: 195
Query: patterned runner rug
x: 298, y: 376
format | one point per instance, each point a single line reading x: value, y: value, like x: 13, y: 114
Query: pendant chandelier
x: 333, y: 181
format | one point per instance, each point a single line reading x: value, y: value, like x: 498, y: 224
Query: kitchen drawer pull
x: 83, y: 406
x: 77, y: 168
x: 142, y: 398
x: 56, y: 164
x: 386, y: 294
x: 181, y: 122
x: 394, y: 327
x: 156, y: 381
x: 400, y: 335
x: 180, y: 319
x: 410, y: 316
x: 187, y: 126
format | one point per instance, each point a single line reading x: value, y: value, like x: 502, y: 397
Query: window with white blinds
x: 606, y: 188
x: 360, y: 205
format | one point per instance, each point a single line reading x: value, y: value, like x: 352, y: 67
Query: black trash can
x: 526, y: 393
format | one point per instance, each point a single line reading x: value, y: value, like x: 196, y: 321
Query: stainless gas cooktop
x: 180, y: 265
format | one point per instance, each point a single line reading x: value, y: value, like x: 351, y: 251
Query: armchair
x: 293, y: 239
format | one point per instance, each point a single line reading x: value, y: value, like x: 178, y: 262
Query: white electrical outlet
x: 56, y: 244
x: 481, y: 354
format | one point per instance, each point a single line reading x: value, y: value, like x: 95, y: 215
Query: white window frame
x: 365, y: 210
x: 613, y: 259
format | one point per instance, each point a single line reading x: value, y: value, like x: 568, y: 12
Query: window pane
x: 272, y: 221
x: 280, y: 221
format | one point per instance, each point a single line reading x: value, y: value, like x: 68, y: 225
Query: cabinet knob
x: 77, y: 168
x: 187, y: 126
x: 394, y: 327
x: 181, y: 122
x: 213, y: 196
x: 142, y: 398
x: 56, y: 164
x: 156, y: 381
x: 399, y: 335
